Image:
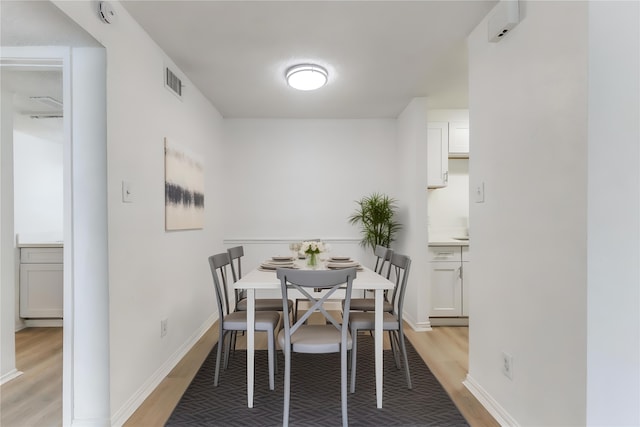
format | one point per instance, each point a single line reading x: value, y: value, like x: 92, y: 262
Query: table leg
x: 379, y: 308
x: 251, y: 317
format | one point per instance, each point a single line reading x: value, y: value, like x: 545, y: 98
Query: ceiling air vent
x: 172, y: 82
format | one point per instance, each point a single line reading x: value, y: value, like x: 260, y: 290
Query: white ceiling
x: 380, y: 54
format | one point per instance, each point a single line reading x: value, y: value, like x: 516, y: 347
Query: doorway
x: 86, y: 316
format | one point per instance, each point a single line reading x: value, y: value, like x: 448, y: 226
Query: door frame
x: 85, y: 375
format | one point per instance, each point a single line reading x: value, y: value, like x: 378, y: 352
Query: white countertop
x: 39, y: 240
x: 448, y: 242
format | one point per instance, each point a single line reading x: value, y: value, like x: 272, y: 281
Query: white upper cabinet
x: 437, y: 154
x: 459, y: 139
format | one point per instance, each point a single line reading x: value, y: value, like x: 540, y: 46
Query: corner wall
x: 411, y: 168
x: 152, y: 274
x: 528, y: 112
x: 613, y: 339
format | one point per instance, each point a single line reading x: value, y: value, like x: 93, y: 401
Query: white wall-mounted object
x: 127, y: 192
x: 505, y: 17
x: 437, y: 154
x: 459, y: 139
x: 107, y: 13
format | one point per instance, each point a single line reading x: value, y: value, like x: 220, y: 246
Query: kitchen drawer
x: 445, y: 253
x: 41, y: 255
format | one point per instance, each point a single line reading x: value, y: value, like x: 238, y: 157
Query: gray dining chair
x: 262, y: 304
x: 392, y: 321
x: 234, y: 321
x: 332, y: 337
x: 383, y: 257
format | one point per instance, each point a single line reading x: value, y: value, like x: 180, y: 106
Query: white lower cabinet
x: 41, y: 283
x: 449, y: 281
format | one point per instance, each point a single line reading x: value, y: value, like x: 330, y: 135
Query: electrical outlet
x: 507, y: 365
x: 163, y: 327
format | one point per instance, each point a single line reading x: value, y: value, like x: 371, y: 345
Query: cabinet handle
x: 446, y: 177
x: 460, y: 272
x: 445, y: 254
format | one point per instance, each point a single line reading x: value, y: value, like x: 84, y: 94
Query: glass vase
x: 312, y: 260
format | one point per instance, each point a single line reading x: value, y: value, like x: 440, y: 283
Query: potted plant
x: 375, y: 215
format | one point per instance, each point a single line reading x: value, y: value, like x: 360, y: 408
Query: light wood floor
x: 34, y: 398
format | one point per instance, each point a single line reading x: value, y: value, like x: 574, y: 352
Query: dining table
x: 260, y: 279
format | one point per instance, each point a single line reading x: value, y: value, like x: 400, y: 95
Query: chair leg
x: 271, y: 350
x: 343, y: 379
x: 287, y: 386
x: 394, y: 348
x: 227, y: 351
x: 406, y: 362
x: 218, y: 356
x: 354, y: 345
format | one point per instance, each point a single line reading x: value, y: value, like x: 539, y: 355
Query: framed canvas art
x: 183, y: 188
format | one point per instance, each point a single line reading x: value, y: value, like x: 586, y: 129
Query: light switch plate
x: 480, y: 193
x: 127, y: 192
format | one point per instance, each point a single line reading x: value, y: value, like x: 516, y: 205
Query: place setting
x: 340, y: 262
x: 278, y: 261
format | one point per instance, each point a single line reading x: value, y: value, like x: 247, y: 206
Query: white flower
x: 312, y: 247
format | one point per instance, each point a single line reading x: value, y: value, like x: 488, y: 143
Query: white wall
x: 613, y: 340
x: 288, y: 180
x: 411, y: 168
x: 528, y: 111
x: 153, y: 274
x: 37, y: 184
x: 8, y: 253
x: 449, y: 206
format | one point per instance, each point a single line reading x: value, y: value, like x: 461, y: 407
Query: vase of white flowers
x: 312, y: 249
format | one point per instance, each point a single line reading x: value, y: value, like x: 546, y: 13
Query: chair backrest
x: 235, y: 255
x: 235, y: 261
x: 303, y: 280
x: 383, y: 254
x: 400, y: 266
x: 218, y: 264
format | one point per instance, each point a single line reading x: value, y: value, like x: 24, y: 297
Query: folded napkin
x: 340, y: 259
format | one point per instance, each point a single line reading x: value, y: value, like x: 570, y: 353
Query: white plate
x: 342, y: 264
x: 340, y: 258
x: 274, y: 262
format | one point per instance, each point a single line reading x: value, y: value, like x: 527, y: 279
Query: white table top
x: 258, y: 279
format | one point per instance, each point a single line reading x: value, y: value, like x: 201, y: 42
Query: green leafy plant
x: 375, y: 215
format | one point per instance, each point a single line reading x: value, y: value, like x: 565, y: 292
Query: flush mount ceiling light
x: 306, y: 77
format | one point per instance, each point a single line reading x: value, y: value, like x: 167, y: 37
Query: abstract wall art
x: 183, y: 188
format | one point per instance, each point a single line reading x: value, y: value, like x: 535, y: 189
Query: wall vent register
x: 172, y: 82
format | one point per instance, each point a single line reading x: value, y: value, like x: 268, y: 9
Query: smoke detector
x: 107, y: 14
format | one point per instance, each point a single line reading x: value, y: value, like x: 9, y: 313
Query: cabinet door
x: 459, y: 139
x: 446, y: 289
x: 41, y: 290
x: 437, y: 154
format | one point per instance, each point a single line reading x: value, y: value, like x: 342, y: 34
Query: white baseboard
x: 14, y: 373
x: 43, y: 323
x: 449, y: 321
x: 133, y: 403
x: 489, y: 403
x: 418, y: 326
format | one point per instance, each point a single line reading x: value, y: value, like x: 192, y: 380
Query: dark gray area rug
x: 315, y: 393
